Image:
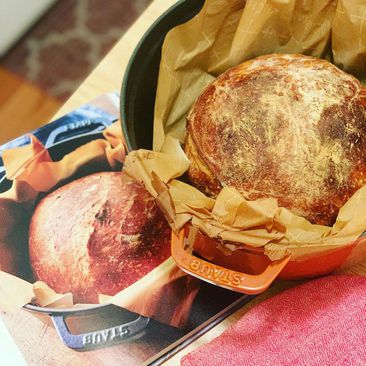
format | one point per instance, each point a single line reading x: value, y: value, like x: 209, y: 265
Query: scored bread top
x: 96, y: 235
x: 291, y: 127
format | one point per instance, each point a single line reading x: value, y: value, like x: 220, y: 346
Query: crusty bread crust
x: 291, y: 127
x: 97, y: 235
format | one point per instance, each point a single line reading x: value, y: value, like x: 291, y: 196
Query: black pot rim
x: 126, y: 77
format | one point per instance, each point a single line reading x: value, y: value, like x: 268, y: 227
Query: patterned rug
x: 69, y: 41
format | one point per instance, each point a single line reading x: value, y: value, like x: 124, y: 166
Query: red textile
x: 322, y: 322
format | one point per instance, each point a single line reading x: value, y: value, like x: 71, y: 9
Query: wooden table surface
x: 107, y: 77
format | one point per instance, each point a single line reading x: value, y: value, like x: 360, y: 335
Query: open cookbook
x: 158, y: 313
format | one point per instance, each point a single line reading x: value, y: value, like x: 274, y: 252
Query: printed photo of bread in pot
x: 290, y: 127
x: 97, y: 235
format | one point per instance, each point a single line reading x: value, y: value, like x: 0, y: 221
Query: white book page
x: 9, y: 352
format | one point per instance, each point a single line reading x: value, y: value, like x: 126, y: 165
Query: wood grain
x: 23, y: 106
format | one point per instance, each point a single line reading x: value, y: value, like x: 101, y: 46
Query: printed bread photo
x: 97, y: 235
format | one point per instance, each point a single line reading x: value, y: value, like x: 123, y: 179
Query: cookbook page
x: 160, y: 312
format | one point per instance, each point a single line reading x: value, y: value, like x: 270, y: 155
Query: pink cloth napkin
x: 322, y: 322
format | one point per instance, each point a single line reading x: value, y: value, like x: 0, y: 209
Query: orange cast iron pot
x: 247, y: 270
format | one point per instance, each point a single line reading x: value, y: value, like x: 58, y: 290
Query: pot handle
x: 74, y: 128
x: 103, y: 337
x: 224, y: 277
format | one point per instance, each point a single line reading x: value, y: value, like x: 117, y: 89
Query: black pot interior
x: 141, y: 77
x: 58, y: 151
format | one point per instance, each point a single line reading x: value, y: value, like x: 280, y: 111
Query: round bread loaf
x: 96, y: 235
x: 291, y: 127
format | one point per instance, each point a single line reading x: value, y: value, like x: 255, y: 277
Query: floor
x: 48, y: 64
